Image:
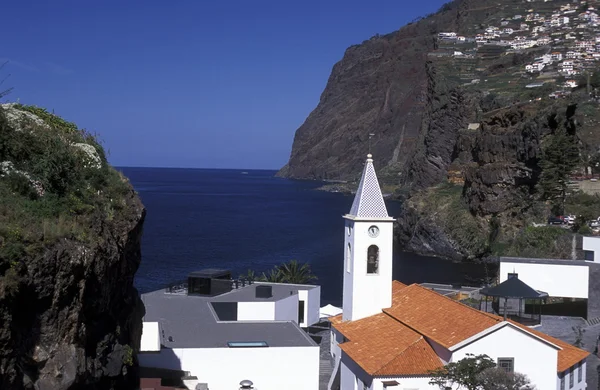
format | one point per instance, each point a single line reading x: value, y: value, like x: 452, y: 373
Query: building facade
x: 391, y: 335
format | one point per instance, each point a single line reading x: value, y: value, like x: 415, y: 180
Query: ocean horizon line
x: 197, y: 168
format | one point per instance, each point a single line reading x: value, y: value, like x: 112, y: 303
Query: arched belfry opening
x: 373, y: 259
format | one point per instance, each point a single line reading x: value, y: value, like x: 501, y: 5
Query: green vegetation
x: 128, y: 355
x: 291, y: 272
x: 478, y: 373
x: 50, y: 190
x: 445, y: 205
x: 560, y: 156
x: 543, y: 241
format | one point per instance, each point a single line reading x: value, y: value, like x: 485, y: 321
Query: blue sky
x: 194, y: 83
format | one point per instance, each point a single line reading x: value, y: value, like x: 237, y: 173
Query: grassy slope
x: 75, y: 194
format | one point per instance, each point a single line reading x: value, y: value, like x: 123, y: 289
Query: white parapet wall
x: 290, y: 368
x: 592, y: 244
x: 558, y: 278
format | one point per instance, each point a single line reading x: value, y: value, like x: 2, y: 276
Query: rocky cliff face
x: 70, y: 317
x: 381, y: 87
x: 455, y: 128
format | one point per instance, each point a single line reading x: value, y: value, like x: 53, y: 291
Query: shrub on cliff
x: 55, y: 181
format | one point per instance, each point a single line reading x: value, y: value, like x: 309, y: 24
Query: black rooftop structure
x: 215, y: 273
x: 210, y: 281
x: 514, y: 289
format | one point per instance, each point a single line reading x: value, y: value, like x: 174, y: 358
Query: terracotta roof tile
x: 392, y: 343
x: 437, y: 317
x: 417, y: 359
x: 381, y: 345
x: 568, y: 356
x: 335, y: 319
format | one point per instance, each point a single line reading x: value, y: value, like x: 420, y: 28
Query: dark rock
x: 76, y: 320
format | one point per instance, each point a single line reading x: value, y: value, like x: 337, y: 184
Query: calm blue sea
x: 202, y: 218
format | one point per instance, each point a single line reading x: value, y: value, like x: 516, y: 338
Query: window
x: 588, y: 255
x: 562, y: 382
x: 373, y: 259
x: 513, y: 275
x: 580, y: 372
x: 246, y: 344
x: 507, y: 364
x: 571, y: 377
x: 300, y: 312
x: 348, y: 257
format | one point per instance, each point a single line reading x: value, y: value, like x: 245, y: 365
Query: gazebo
x: 513, y: 289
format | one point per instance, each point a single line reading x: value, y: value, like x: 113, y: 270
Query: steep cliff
x: 70, y: 231
x: 458, y: 125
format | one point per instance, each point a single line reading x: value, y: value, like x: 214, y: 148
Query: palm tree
x: 249, y: 275
x: 297, y: 273
x: 273, y: 276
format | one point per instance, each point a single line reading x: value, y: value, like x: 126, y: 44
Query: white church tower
x: 368, y: 251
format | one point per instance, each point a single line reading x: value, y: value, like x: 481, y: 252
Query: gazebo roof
x: 513, y: 288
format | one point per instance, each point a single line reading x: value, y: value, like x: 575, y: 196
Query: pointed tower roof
x: 368, y: 202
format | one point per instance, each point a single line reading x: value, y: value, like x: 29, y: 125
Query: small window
x: 247, y: 344
x: 562, y: 382
x: 588, y: 255
x: 507, y: 364
x: 571, y: 377
x: 348, y: 257
x: 580, y: 372
x: 513, y: 275
x: 373, y: 259
x: 300, y: 312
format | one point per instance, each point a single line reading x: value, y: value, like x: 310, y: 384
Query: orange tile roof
x: 392, y: 343
x: 380, y: 345
x: 442, y: 319
x: 568, y: 356
x: 335, y: 319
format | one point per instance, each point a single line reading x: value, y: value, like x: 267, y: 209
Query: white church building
x: 391, y: 335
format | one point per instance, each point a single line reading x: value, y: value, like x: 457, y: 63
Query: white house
x: 222, y: 334
x: 391, y: 334
x: 571, y: 84
x: 579, y: 279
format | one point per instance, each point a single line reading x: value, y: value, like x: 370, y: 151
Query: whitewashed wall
x: 287, y: 309
x: 412, y: 383
x: 576, y: 385
x: 273, y: 368
x: 592, y: 244
x: 313, y: 306
x: 256, y: 311
x: 558, y: 280
x: 532, y: 357
x: 366, y: 294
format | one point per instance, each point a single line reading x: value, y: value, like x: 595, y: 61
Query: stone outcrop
x: 75, y: 322
x: 70, y: 316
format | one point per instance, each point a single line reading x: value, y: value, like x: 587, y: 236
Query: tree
x: 294, y: 272
x: 290, y: 272
x: 560, y: 156
x: 465, y: 373
x: 579, y: 331
x: 498, y: 379
x: 272, y: 276
x: 478, y: 373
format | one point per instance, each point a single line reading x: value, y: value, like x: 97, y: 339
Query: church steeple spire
x: 368, y: 248
x: 368, y: 202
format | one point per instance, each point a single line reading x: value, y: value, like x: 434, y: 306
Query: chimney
x: 263, y: 291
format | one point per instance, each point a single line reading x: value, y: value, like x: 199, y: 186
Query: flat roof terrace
x: 189, y: 321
